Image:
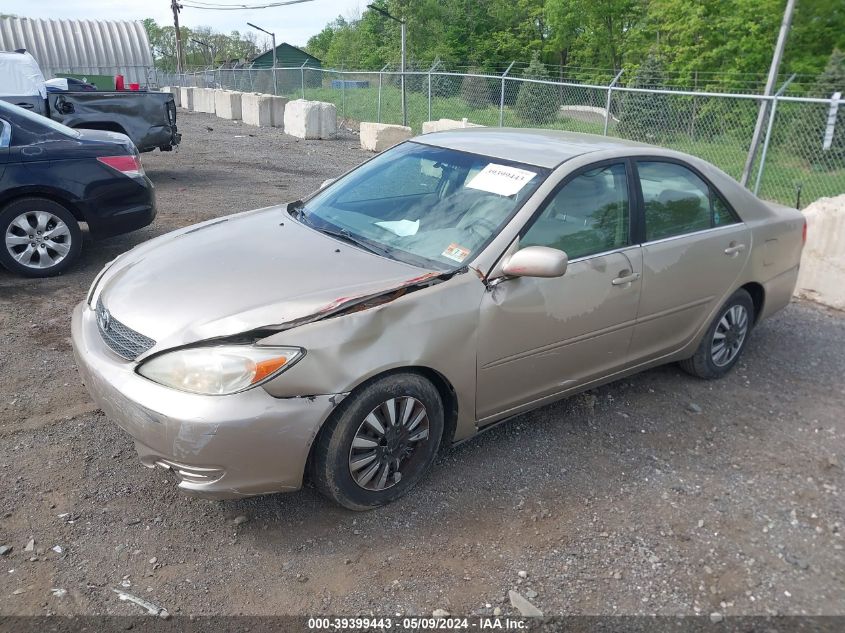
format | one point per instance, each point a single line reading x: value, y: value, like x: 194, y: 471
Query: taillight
x: 126, y: 165
x: 804, y: 233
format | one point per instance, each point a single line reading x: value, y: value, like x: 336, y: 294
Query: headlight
x: 220, y: 370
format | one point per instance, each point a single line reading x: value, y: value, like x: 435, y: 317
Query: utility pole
x: 272, y: 35
x: 404, y: 98
x: 176, y: 8
x: 770, y: 86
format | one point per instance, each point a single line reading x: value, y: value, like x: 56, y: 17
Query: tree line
x: 700, y: 43
x: 216, y: 48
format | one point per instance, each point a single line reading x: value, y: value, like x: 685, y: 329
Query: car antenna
x: 798, y: 197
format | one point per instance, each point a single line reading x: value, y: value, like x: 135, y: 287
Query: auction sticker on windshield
x: 456, y: 252
x: 501, y: 179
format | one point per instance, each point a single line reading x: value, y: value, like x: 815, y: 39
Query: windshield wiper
x: 347, y: 237
x: 296, y: 209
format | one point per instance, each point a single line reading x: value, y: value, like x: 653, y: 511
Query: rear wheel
x: 724, y: 340
x: 380, y: 442
x: 38, y: 237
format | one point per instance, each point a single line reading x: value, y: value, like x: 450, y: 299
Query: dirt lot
x: 660, y: 494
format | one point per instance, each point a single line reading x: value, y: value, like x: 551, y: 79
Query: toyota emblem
x: 104, y: 319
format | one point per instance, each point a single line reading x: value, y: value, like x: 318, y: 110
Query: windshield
x: 32, y: 117
x: 426, y: 206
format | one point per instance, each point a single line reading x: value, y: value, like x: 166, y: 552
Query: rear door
x: 34, y: 103
x: 694, y: 250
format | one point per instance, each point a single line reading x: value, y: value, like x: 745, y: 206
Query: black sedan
x: 52, y: 178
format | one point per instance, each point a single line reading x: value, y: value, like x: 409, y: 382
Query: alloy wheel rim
x: 729, y: 335
x: 387, y: 444
x: 38, y: 239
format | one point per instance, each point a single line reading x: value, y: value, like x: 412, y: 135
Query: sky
x: 293, y: 24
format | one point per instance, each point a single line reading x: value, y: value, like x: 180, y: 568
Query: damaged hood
x: 256, y: 270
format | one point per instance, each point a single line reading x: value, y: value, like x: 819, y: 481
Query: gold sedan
x: 450, y: 283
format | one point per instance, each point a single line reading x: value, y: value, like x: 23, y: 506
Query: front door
x: 539, y: 337
x: 694, y: 250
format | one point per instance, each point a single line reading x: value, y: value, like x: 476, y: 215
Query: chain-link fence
x: 801, y: 155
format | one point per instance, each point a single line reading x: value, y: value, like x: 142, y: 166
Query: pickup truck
x: 148, y: 118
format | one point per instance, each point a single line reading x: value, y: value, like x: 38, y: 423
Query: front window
x: 426, y: 206
x: 589, y: 215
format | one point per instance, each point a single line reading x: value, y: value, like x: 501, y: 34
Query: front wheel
x: 379, y: 443
x: 38, y: 237
x: 724, y: 340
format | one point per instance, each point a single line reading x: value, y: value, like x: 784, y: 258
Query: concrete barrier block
x: 277, y: 105
x: 441, y: 125
x: 310, y: 119
x: 257, y: 109
x: 199, y: 99
x: 377, y: 137
x: 204, y: 100
x: 208, y: 101
x: 186, y: 98
x: 174, y: 90
x: 227, y: 104
x: 820, y: 277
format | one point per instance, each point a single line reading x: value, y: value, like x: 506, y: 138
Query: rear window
x: 678, y: 202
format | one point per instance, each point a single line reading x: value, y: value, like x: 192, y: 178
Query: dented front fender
x: 433, y: 327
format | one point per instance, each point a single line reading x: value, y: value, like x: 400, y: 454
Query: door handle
x: 626, y: 278
x: 734, y: 249
x: 25, y: 106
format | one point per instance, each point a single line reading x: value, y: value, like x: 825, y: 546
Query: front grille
x: 122, y: 340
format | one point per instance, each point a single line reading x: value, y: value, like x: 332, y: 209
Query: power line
x: 210, y: 6
x: 225, y: 5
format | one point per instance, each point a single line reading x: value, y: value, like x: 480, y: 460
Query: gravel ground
x: 658, y: 494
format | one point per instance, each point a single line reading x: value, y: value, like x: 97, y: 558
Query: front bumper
x: 216, y: 446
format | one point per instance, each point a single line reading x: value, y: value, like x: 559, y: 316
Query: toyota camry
x: 447, y: 284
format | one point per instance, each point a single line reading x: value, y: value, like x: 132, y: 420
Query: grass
x: 783, y: 173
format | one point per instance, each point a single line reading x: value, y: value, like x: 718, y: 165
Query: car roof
x: 542, y: 148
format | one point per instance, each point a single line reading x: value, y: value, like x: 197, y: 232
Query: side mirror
x: 536, y: 261
x: 326, y: 183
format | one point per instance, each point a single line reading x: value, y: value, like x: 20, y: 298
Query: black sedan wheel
x: 38, y: 237
x: 724, y: 340
x: 379, y: 442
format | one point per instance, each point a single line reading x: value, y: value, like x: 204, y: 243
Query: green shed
x: 287, y: 56
x: 288, y: 82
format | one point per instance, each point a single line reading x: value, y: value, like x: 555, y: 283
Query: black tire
x: 331, y: 471
x: 705, y: 363
x: 71, y: 242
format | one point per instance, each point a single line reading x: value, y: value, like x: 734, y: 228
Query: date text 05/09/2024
x: 417, y: 623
